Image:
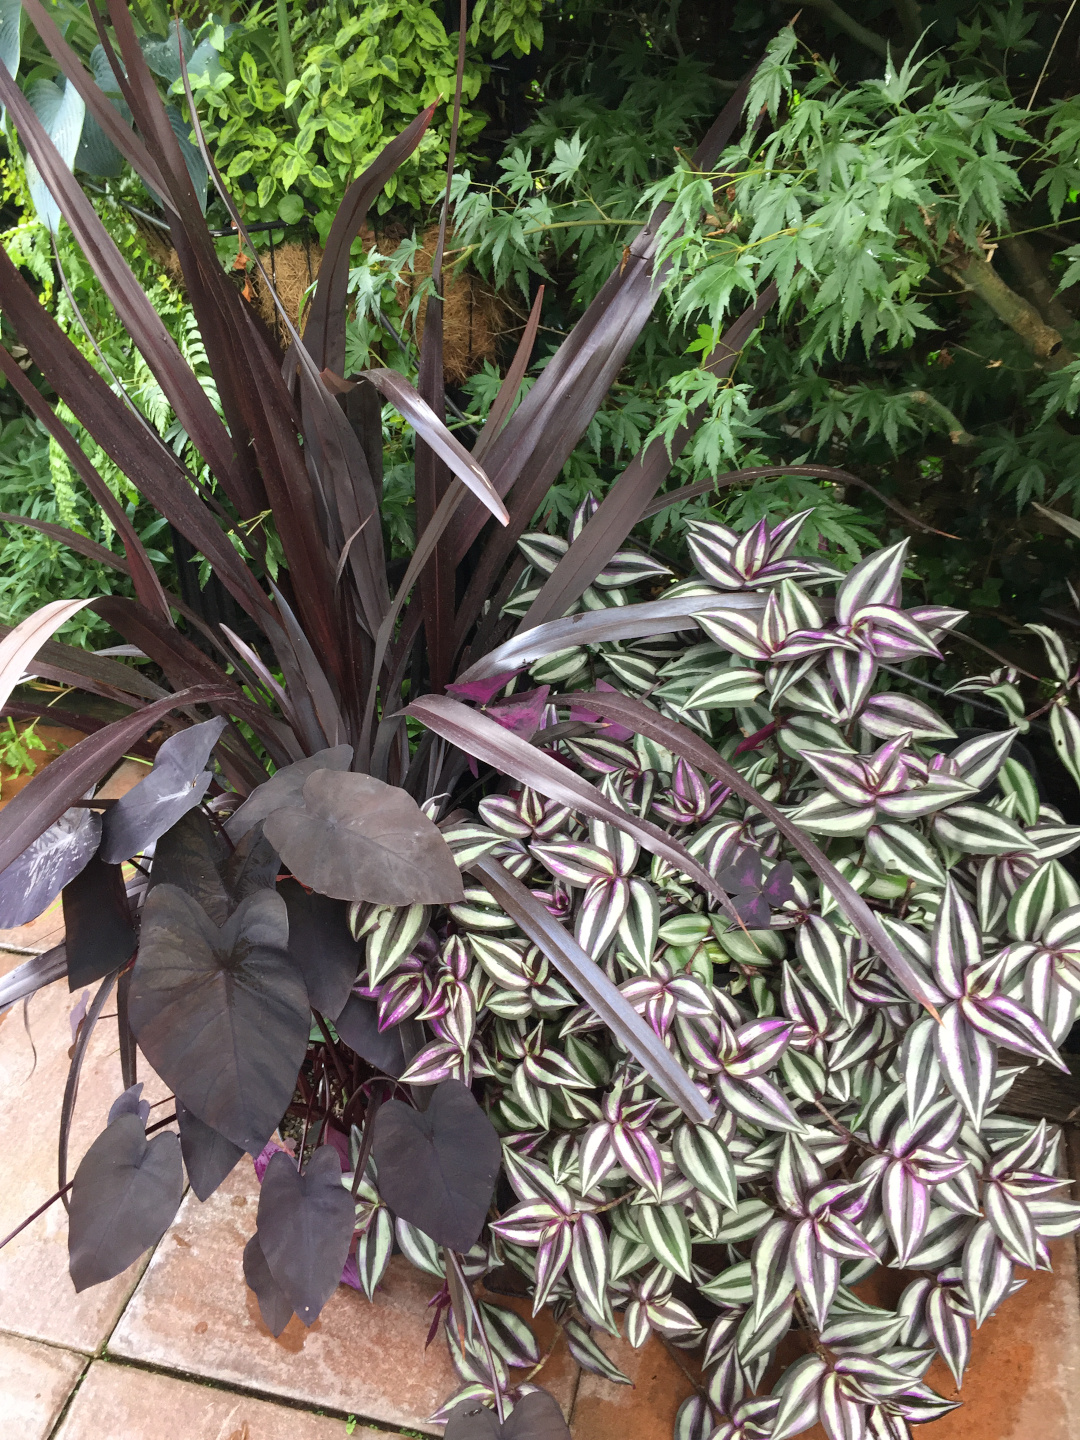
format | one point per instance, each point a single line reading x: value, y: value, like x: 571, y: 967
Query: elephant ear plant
x: 621, y: 1036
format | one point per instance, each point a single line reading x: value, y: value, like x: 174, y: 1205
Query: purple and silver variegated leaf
x: 770, y: 1264
x: 552, y: 1257
x: 987, y: 1271
x: 841, y: 1417
x: 968, y: 1062
x: 949, y: 1331
x: 588, y: 1270
x: 1013, y: 1224
x: 799, y: 1393
x: 816, y: 1270
x: 874, y: 581
x: 956, y: 944
x: 906, y: 1204
x: 758, y: 1101
x: 1007, y: 1023
x: 891, y: 715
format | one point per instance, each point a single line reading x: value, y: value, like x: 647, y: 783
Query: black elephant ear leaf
x: 355, y: 838
x: 130, y: 1103
x: 193, y: 856
x: 125, y: 1193
x: 34, y: 879
x: 98, y: 930
x: 208, y: 1156
x: 437, y: 1168
x: 305, y: 1228
x: 176, y: 783
x: 358, y: 1026
x: 252, y: 866
x: 322, y: 946
x: 284, y: 787
x: 274, y: 1308
x: 536, y: 1416
x: 221, y: 1014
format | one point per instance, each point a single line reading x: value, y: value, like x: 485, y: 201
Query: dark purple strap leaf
x: 356, y: 838
x: 273, y: 1306
x: 595, y: 988
x: 126, y: 1191
x: 644, y: 720
x: 72, y: 774
x: 305, y: 1227
x: 221, y: 1014
x: 99, y: 935
x: 34, y: 879
x: 474, y: 733
x: 33, y: 975
x: 437, y: 1167
x: 208, y: 1156
x: 178, y: 781
x: 322, y: 946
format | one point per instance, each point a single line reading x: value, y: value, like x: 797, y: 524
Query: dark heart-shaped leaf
x: 274, y: 1308
x: 35, y: 878
x: 192, y: 856
x: 321, y: 944
x: 208, y: 1156
x: 536, y: 1416
x: 437, y: 1168
x: 126, y: 1191
x: 285, y: 787
x: 305, y: 1228
x: 358, y: 1026
x: 176, y: 783
x: 99, y: 935
x: 252, y: 866
x: 130, y: 1103
x: 357, y: 839
x: 221, y: 1014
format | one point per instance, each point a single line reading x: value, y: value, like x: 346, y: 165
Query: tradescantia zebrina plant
x: 686, y: 1040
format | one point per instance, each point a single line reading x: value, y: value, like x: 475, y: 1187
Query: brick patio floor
x: 175, y: 1348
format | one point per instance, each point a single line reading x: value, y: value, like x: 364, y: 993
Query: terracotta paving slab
x: 193, y: 1313
x: 118, y: 1402
x: 37, y: 1298
x: 35, y: 1382
x: 644, y: 1411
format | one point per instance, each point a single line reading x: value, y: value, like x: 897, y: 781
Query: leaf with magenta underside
x: 521, y: 713
x: 125, y: 1193
x: 273, y: 1306
x: 177, y: 782
x: 536, y: 1416
x: 355, y: 838
x: 679, y: 739
x: 437, y: 1167
x: 482, y: 692
x: 221, y: 1013
x: 98, y: 932
x: 208, y: 1156
x: 33, y: 880
x: 322, y: 946
x: 285, y: 787
x: 305, y: 1227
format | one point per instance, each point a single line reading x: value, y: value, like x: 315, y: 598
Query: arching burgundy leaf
x: 274, y: 1308
x: 437, y: 1167
x: 358, y: 1026
x: 322, y: 946
x: 357, y: 839
x: 305, y: 1227
x: 221, y: 1014
x: 99, y: 935
x: 208, y: 1156
x: 284, y: 787
x: 192, y: 856
x: 126, y: 1191
x: 535, y: 1417
x: 175, y: 785
x: 35, y: 878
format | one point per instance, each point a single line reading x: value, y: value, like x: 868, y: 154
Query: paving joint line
x: 289, y: 1402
